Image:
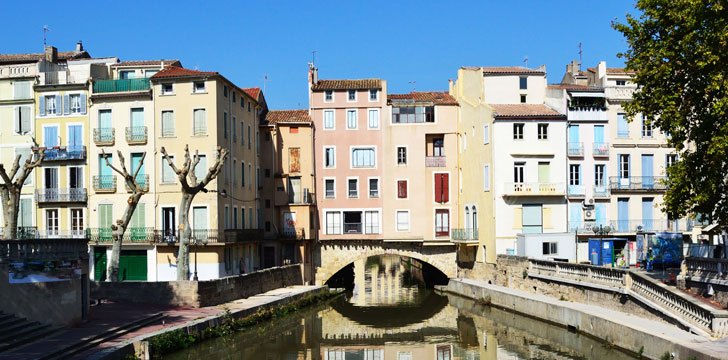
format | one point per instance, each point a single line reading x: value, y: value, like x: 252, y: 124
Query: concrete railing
x: 43, y: 249
x: 669, y: 301
x: 706, y: 268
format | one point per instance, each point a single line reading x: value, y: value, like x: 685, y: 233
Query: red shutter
x: 445, y: 188
x: 438, y: 188
x: 402, y: 189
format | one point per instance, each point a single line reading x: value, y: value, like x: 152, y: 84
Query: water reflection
x: 390, y: 314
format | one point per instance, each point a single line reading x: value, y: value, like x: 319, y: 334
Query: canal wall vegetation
x: 200, y: 293
x: 706, y: 277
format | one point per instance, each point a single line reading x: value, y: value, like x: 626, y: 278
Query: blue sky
x: 400, y: 41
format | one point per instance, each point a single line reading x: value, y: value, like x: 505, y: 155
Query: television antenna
x: 580, y: 54
x: 45, y: 30
x: 525, y: 60
x: 414, y: 85
x: 265, y: 81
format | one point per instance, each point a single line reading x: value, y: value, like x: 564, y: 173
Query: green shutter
x: 100, y: 263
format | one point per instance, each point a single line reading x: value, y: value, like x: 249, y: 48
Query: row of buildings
x: 500, y: 154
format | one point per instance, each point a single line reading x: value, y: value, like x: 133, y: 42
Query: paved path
x: 109, y: 315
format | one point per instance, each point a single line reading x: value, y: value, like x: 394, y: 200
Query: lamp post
x: 196, y: 242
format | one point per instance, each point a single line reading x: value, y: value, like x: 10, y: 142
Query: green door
x: 100, y: 263
x: 133, y: 265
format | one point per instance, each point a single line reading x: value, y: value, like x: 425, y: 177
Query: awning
x: 588, y: 94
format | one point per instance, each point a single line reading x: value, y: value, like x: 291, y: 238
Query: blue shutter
x: 600, y: 213
x: 83, y: 104
x: 647, y: 214
x: 574, y: 133
x: 58, y: 104
x: 574, y: 216
x: 41, y: 105
x: 623, y: 214
x: 598, y: 133
x: 66, y: 105
x: 647, y: 179
x: 50, y: 136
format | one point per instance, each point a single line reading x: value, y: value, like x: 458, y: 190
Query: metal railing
x: 637, y: 183
x: 142, y: 180
x: 43, y: 250
x: 435, y: 161
x: 352, y: 228
x: 132, y: 234
x: 23, y: 232
x: 465, y: 234
x: 121, y: 85
x: 293, y: 234
x: 58, y: 195
x: 600, y: 190
x: 104, y: 136
x: 622, y: 134
x: 600, y: 149
x: 60, y: 153
x: 587, y: 113
x: 104, y: 183
x: 577, y: 190
x: 632, y: 225
x: 534, y: 189
x: 61, y: 233
x: 575, y: 149
x: 136, y: 134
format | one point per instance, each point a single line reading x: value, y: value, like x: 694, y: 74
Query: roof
x: 172, y: 71
x: 619, y: 71
x: 287, y: 116
x: 252, y: 92
x: 511, y: 70
x: 436, y: 97
x: 148, y: 63
x: 574, y: 87
x: 62, y: 55
x: 524, y: 111
x: 347, y: 84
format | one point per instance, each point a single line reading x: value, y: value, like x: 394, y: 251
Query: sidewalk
x: 110, y: 315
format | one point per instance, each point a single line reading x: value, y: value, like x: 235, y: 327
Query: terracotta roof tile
x: 252, y: 92
x: 347, y: 84
x: 176, y: 72
x: 510, y: 70
x: 524, y: 110
x: 436, y: 97
x: 62, y: 55
x: 148, y: 63
x: 287, y: 116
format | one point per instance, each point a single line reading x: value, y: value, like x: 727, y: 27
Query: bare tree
x: 190, y: 187
x: 119, y: 228
x: 11, y: 187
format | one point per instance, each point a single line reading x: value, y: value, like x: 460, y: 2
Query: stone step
x: 8, y: 322
x: 41, y: 332
x: 8, y: 332
x: 4, y: 316
x: 27, y: 330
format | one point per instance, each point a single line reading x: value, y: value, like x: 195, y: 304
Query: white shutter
x: 24, y: 119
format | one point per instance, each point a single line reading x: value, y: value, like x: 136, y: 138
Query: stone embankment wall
x: 698, y: 274
x: 200, y: 293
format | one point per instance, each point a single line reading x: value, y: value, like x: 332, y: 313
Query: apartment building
x: 288, y: 184
x: 346, y: 117
x: 420, y: 178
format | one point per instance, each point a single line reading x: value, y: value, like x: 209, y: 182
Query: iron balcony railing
x: 136, y: 134
x: 23, y: 232
x: 27, y: 250
x: 577, y: 190
x: 637, y: 183
x: 632, y: 226
x: 622, y: 133
x: 142, y: 180
x: 61, y: 233
x: 121, y: 85
x: 600, y: 190
x: 464, y: 234
x: 293, y: 234
x: 105, y: 183
x: 132, y: 234
x: 576, y: 149
x: 435, y: 161
x: 104, y: 136
x: 534, y: 189
x: 59, y: 195
x: 600, y: 149
x: 352, y: 228
x: 60, y: 153
x: 204, y: 236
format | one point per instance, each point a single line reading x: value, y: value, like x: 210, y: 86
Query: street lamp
x: 196, y: 242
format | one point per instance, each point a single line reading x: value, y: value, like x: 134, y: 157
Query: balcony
x: 23, y: 232
x: 577, y: 191
x: 105, y: 184
x: 61, y: 233
x: 56, y: 195
x: 534, y: 189
x: 238, y: 235
x: 600, y: 191
x: 61, y: 77
x: 435, y: 161
x: 63, y: 153
x: 136, y: 135
x: 600, y: 149
x: 595, y: 113
x: 19, y: 71
x: 300, y: 198
x: 632, y: 226
x: 637, y: 184
x: 104, y: 136
x: 121, y: 85
x: 575, y: 149
x: 43, y: 250
x: 142, y: 180
x: 465, y: 235
x: 293, y: 234
x: 131, y: 235
x: 619, y: 93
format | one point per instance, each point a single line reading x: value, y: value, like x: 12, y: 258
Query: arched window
x: 467, y: 218
x: 475, y: 222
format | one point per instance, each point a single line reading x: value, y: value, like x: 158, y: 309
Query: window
x: 75, y: 100
x: 599, y: 175
x: 329, y: 157
x: 401, y: 155
x: 523, y: 99
x: 532, y: 218
x: 293, y: 130
x: 374, y: 188
x: 363, y: 158
x: 22, y: 119
x: 442, y: 188
x: 333, y: 222
x: 518, y: 172
x: 373, y: 95
x: 371, y: 222
x: 50, y: 176
x: 52, y: 222
x: 402, y: 220
x: 646, y: 127
x: 486, y: 177
x: 199, y: 122
x: 167, y: 171
x: 224, y: 125
x: 242, y: 133
x: 294, y: 160
x: 574, y: 174
x: 235, y: 130
x: 621, y: 82
x: 442, y: 222
x: 622, y: 126
x: 518, y: 131
x: 670, y: 159
x: 486, y: 134
x: 52, y: 104
x: 75, y: 177
x: 250, y: 175
x: 543, y: 131
x: 127, y: 74
x: 248, y: 137
x: 329, y: 119
x: 353, y: 188
x: 234, y: 96
x: 235, y: 217
x: 224, y: 91
x: 167, y: 124
x: 373, y: 117
x: 401, y: 189
x: 550, y: 248
x: 234, y: 173
x: 167, y: 89
x: 329, y: 186
x: 201, y: 168
x: 351, y: 95
x: 199, y: 87
x: 352, y: 222
x: 413, y: 114
x: 523, y: 83
x: 77, y: 222
x: 438, y: 147
x: 329, y: 95
x: 351, y: 120
x: 624, y: 166
x: 22, y: 90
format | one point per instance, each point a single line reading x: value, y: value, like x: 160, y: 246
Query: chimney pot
x: 79, y: 46
x: 51, y: 54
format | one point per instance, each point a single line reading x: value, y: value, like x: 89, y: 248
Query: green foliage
x: 666, y: 356
x: 484, y: 300
x: 525, y: 274
x: 679, y: 51
x: 641, y: 351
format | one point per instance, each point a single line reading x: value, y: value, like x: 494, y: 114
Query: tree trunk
x: 185, y: 233
x: 11, y: 200
x: 117, y: 234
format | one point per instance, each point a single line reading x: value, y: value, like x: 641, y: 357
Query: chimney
x: 51, y: 54
x: 312, y: 74
x: 79, y: 46
x: 573, y: 67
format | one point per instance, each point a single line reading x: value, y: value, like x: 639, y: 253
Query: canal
x: 391, y: 312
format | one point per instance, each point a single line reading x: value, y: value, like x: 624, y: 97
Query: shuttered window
x: 401, y: 189
x: 442, y: 222
x: 442, y: 188
x: 168, y: 123
x: 22, y: 119
x: 200, y: 122
x: 167, y: 171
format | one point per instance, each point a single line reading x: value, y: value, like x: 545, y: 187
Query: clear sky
x: 411, y: 44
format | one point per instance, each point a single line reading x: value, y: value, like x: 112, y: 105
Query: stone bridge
x: 333, y: 255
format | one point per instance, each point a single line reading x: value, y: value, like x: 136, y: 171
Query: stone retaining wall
x: 698, y: 273
x: 199, y: 293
